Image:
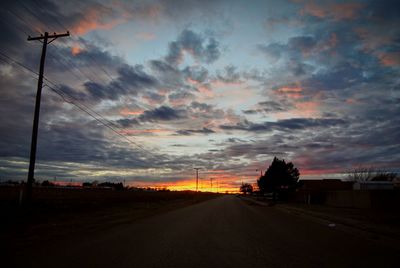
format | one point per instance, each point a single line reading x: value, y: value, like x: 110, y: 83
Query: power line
x: 97, y: 119
x: 54, y: 18
x: 77, y: 40
x: 79, y: 105
x: 22, y: 19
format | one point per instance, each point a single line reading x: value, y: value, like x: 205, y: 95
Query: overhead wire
x: 79, y: 105
x: 75, y: 67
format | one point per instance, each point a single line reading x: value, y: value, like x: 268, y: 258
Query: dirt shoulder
x: 374, y: 223
x: 59, y: 214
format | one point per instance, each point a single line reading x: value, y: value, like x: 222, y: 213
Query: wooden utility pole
x: 45, y: 40
x: 197, y: 178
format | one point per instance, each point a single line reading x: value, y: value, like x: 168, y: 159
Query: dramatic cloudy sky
x: 221, y: 85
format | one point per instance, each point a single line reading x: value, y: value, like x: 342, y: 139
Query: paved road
x: 223, y: 232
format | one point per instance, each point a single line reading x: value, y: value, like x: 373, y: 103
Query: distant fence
x: 351, y: 198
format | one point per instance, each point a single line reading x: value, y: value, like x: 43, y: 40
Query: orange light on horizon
x: 126, y: 111
x: 219, y: 186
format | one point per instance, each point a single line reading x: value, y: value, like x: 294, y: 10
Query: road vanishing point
x: 222, y: 232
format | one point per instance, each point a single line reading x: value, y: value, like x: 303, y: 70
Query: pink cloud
x: 202, y: 88
x: 373, y: 38
x: 336, y: 11
x: 96, y: 18
x: 75, y: 50
x: 389, y: 58
x: 307, y: 109
x: 292, y: 92
x: 126, y: 111
x: 102, y: 17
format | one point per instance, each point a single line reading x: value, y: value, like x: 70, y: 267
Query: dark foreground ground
x: 221, y: 232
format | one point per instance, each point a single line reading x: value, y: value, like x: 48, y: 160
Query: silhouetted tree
x: 246, y: 188
x: 364, y: 174
x: 116, y: 186
x: 385, y: 176
x: 47, y: 183
x: 280, y: 178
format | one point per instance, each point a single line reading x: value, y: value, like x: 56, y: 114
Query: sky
x: 145, y: 91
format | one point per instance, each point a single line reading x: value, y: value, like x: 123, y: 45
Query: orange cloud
x: 126, y: 112
x: 103, y: 17
x: 307, y: 108
x: 96, y: 18
x: 291, y: 92
x: 389, y: 58
x: 337, y: 11
x: 351, y: 101
x: 302, y: 108
x: 203, y: 89
x: 75, y: 50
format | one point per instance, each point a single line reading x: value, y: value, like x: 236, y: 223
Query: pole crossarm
x: 55, y: 36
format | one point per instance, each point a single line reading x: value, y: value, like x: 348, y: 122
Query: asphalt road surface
x: 223, y: 232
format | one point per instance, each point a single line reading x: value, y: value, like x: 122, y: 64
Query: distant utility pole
x: 197, y: 178
x: 45, y: 41
x: 211, y: 183
x: 260, y: 172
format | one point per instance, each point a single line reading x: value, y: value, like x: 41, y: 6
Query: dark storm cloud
x: 201, y: 106
x: 285, y: 124
x: 229, y: 75
x: 99, y: 91
x: 163, y: 113
x: 270, y: 106
x: 127, y: 122
x: 196, y: 73
x: 189, y: 132
x: 135, y: 77
x: 338, y: 77
x: 275, y: 106
x: 74, y: 94
x: 273, y: 51
x: 154, y: 98
x: 170, y: 77
x: 131, y: 80
x: 295, y: 48
x: 300, y: 68
x: 180, y: 96
x: 302, y: 43
x: 250, y: 111
x: 202, y: 48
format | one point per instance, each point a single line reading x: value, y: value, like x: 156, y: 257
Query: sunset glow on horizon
x: 145, y: 91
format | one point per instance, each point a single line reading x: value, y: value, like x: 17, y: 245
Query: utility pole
x: 260, y: 172
x: 197, y: 178
x: 45, y: 40
x: 211, y: 183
